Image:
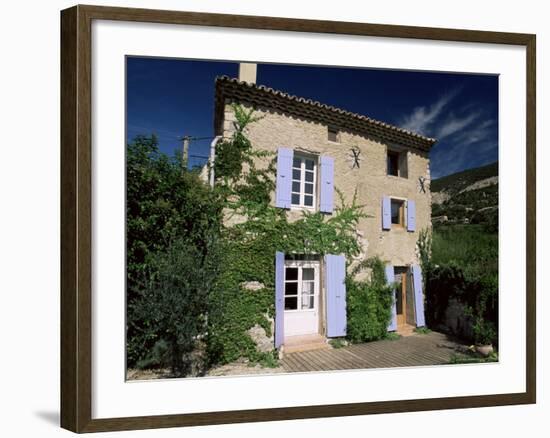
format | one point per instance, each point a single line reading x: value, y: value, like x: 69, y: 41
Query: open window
x: 397, y: 212
x: 397, y: 163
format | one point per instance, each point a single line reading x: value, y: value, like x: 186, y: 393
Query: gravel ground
x: 238, y: 368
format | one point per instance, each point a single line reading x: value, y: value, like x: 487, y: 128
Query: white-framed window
x: 304, y: 181
x: 301, y: 285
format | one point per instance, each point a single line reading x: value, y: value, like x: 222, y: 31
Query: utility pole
x: 185, y: 153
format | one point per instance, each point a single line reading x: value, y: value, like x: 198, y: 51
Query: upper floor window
x: 397, y: 163
x: 398, y: 212
x: 333, y: 135
x: 304, y: 181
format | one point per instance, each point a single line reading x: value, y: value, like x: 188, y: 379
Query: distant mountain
x: 470, y: 196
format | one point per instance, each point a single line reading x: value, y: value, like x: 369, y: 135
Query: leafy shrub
x: 369, y: 303
x: 173, y: 306
x: 484, y: 331
x: 158, y: 357
x: 464, y: 266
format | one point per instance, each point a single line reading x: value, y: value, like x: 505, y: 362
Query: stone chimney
x: 247, y: 72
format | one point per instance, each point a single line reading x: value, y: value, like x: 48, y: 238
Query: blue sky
x: 172, y: 98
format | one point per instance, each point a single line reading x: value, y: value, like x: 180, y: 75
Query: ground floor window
x: 301, y: 280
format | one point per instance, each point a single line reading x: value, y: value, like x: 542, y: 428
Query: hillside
x: 460, y: 180
x: 470, y: 196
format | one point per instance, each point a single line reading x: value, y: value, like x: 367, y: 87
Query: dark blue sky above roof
x: 172, y: 98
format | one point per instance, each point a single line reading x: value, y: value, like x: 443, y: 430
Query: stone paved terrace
x: 416, y: 350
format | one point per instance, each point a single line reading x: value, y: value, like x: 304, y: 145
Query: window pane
x: 291, y: 303
x: 295, y: 199
x: 297, y: 162
x: 393, y: 164
x: 310, y: 164
x: 396, y: 212
x: 291, y: 273
x: 308, y: 302
x: 308, y: 274
x: 296, y: 174
x: 309, y: 176
x: 309, y: 189
x: 308, y: 201
x: 296, y: 186
x: 291, y: 288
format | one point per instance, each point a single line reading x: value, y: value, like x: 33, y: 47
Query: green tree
x: 165, y: 203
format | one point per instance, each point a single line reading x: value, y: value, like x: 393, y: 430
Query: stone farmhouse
x: 318, y: 148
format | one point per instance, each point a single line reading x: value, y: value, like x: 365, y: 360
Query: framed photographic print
x: 268, y: 218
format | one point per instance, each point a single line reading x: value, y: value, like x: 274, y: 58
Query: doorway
x: 301, y: 314
x: 401, y: 305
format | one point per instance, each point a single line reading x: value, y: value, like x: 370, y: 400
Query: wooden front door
x: 401, y: 297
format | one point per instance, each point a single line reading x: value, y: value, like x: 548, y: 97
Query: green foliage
x: 338, y: 343
x: 424, y: 244
x: 468, y: 245
x: 368, y: 303
x: 484, y: 331
x: 464, y: 266
x: 473, y: 358
x: 158, y: 357
x: 392, y: 336
x: 164, y: 202
x: 422, y: 330
x: 270, y: 360
x: 173, y: 306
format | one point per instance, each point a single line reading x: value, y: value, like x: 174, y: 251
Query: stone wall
x: 397, y: 246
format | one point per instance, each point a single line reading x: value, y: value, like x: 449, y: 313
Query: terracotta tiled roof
x: 232, y: 90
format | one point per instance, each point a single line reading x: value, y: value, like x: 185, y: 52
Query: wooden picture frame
x: 76, y: 218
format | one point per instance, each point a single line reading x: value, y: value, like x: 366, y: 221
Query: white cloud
x: 454, y: 124
x: 423, y: 117
x: 477, y: 133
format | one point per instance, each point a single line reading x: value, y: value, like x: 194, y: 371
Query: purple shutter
x: 390, y: 278
x: 284, y: 177
x: 327, y: 184
x: 386, y: 213
x: 411, y: 215
x: 279, y: 299
x: 418, y: 296
x: 336, y: 295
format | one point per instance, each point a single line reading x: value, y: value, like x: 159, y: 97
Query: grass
x: 473, y: 358
x: 338, y: 343
x: 269, y: 361
x: 392, y: 336
x: 465, y: 244
x: 468, y: 246
x: 422, y: 330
